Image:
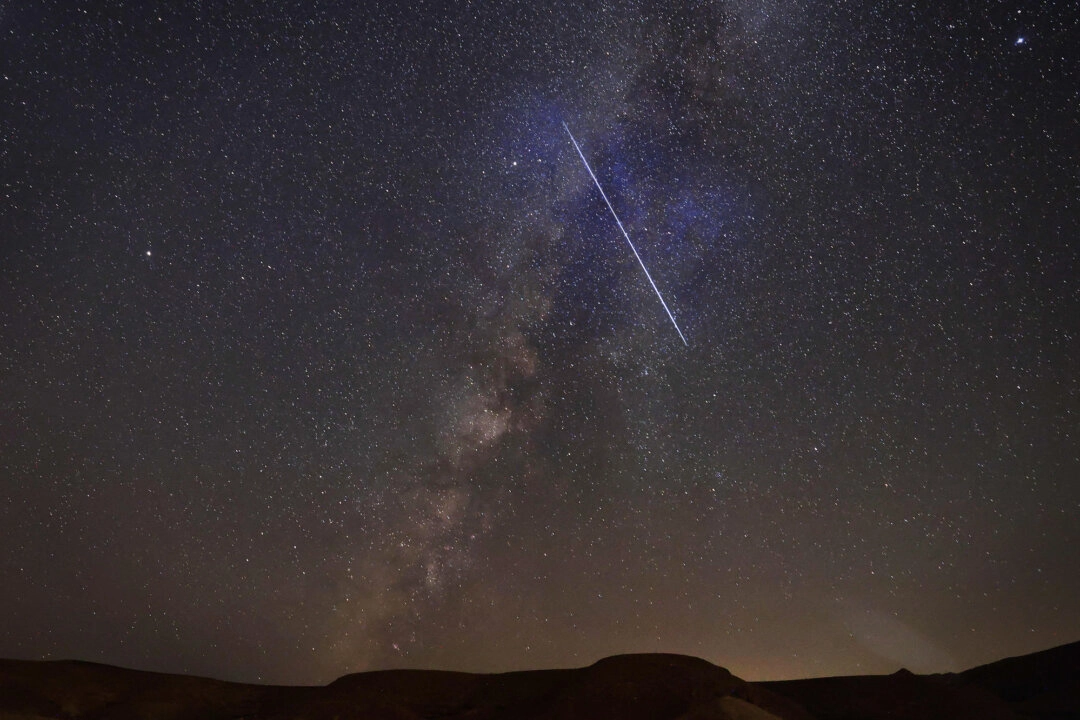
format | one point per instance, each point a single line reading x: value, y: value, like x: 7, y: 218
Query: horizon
x: 733, y: 671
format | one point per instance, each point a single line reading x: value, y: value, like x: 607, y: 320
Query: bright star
x: 1021, y: 40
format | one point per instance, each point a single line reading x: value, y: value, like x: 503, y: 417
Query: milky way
x: 319, y: 354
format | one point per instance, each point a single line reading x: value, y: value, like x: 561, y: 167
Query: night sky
x: 320, y: 351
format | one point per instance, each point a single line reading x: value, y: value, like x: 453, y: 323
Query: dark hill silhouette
x: 1043, y: 686
x: 628, y: 687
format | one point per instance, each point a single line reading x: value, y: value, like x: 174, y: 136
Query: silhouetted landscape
x: 1042, y: 685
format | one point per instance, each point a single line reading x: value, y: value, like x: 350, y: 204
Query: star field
x: 320, y: 351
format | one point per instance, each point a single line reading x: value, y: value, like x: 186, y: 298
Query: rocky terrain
x: 1043, y: 686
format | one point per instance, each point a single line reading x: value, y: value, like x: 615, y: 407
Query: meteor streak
x: 625, y: 234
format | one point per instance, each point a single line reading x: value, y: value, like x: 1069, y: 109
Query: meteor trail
x: 625, y: 234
